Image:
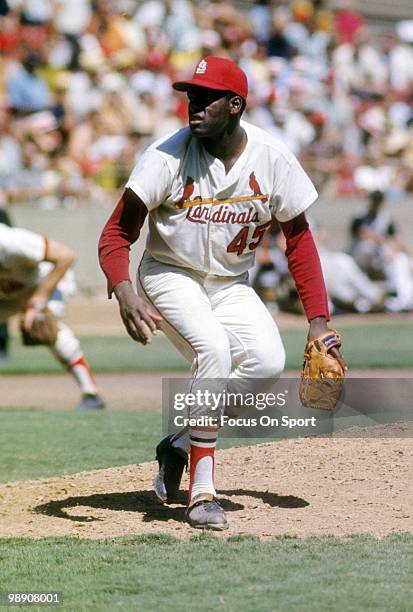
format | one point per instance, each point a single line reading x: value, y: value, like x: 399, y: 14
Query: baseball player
x: 210, y: 191
x: 377, y: 248
x: 4, y: 330
x: 35, y: 273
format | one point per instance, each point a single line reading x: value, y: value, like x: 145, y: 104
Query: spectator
x: 348, y: 287
x: 11, y: 154
x: 278, y: 44
x: 26, y: 89
x: 347, y: 22
x: 379, y: 250
x: 71, y: 18
x: 401, y: 58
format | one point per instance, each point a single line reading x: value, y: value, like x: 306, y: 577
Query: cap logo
x: 201, y: 68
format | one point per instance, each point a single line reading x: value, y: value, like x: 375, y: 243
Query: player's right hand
x: 138, y: 317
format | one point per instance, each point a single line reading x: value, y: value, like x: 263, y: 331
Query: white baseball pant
x: 218, y: 323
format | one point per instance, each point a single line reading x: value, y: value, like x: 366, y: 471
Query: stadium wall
x: 80, y: 229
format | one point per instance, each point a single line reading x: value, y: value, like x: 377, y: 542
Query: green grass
x: 105, y: 353
x: 40, y: 444
x: 373, y: 345
x: 159, y: 573
x: 46, y: 443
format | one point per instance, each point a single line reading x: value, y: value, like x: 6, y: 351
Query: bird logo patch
x: 201, y: 68
x: 253, y: 183
x: 188, y: 201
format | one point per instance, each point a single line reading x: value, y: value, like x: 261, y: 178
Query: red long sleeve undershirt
x: 125, y: 223
x: 120, y: 232
x: 305, y: 267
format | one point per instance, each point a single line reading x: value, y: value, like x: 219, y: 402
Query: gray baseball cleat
x: 205, y: 512
x: 91, y: 401
x: 172, y: 462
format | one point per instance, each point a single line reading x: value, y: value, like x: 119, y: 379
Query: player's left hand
x: 319, y: 327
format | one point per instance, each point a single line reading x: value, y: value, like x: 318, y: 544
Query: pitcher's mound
x: 298, y: 487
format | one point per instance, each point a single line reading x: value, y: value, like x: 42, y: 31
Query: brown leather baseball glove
x: 42, y: 331
x: 322, y: 376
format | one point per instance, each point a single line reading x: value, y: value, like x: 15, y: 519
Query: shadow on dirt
x: 272, y: 499
x: 146, y: 503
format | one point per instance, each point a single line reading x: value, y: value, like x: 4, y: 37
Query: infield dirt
x: 307, y: 486
x: 301, y: 487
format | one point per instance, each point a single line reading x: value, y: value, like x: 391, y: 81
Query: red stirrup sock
x: 83, y: 375
x: 201, y: 464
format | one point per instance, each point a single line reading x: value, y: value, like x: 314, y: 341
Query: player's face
x: 209, y: 112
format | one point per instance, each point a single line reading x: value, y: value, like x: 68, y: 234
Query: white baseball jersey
x: 21, y: 252
x: 204, y: 219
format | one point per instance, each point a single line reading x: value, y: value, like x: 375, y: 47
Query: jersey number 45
x: 240, y: 242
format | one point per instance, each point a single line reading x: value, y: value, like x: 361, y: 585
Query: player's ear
x: 236, y: 104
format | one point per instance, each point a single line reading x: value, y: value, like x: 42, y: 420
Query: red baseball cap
x: 217, y: 73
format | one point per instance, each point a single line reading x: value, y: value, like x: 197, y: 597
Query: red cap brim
x: 185, y: 85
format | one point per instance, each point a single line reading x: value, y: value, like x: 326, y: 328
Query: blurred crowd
x: 86, y: 84
x: 374, y: 274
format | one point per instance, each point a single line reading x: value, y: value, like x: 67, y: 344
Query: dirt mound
x: 299, y: 487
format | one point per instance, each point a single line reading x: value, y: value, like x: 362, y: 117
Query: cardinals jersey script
x: 209, y: 221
